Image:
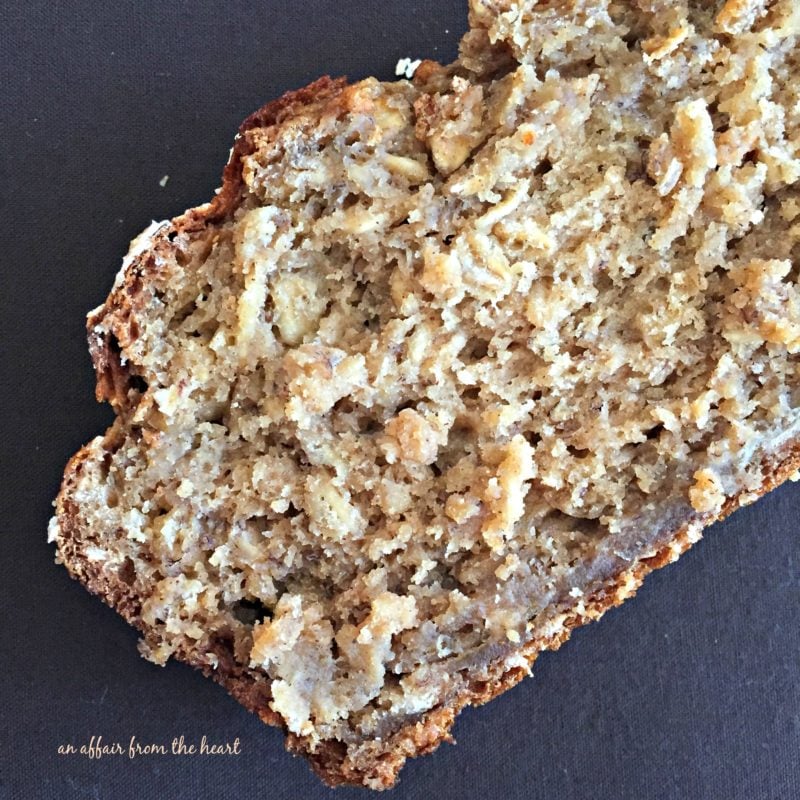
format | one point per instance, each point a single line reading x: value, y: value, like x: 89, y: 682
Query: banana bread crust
x: 120, y: 308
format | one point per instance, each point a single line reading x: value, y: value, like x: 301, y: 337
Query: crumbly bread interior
x: 464, y: 349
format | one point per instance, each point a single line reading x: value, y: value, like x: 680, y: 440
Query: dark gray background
x: 691, y: 690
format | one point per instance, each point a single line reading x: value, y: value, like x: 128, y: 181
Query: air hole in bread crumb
x: 248, y: 612
x: 578, y: 452
x: 476, y: 349
x: 733, y: 244
x: 369, y: 425
x: 350, y: 200
x: 576, y: 351
x: 532, y: 437
x: 654, y: 432
x: 137, y: 383
x: 631, y: 39
x: 291, y: 511
x: 182, y: 314
x: 105, y: 465
x: 113, y: 344
x: 636, y: 166
x: 472, y: 393
x: 127, y: 572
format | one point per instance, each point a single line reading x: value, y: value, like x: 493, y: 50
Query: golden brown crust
x: 286, y: 106
x: 120, y: 309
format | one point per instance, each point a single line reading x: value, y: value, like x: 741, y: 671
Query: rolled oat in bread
x: 449, y: 365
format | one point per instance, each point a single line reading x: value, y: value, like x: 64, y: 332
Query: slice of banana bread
x: 448, y: 366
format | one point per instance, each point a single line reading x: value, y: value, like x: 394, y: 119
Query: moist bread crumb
x: 447, y: 366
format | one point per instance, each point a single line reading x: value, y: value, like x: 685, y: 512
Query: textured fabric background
x: 689, y: 691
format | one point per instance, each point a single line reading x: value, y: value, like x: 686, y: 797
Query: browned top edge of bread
x: 376, y: 763
x: 118, y: 311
